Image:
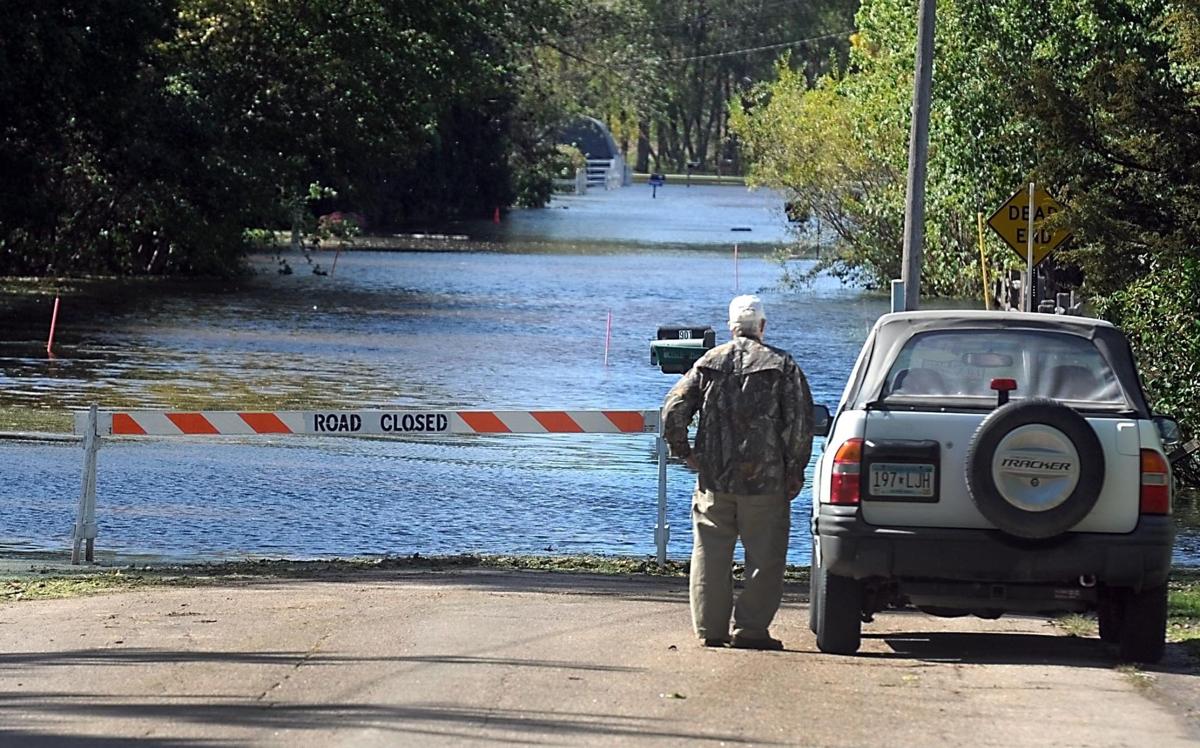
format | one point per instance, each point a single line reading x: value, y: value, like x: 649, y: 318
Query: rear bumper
x: 852, y: 548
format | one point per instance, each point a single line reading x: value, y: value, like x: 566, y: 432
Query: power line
x: 707, y: 14
x: 751, y: 50
x: 714, y: 55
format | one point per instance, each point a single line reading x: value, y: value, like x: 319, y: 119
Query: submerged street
x: 520, y: 326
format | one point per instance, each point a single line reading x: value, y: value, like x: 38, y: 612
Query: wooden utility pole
x: 918, y: 151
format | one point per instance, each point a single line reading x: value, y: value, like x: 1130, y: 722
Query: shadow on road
x: 144, y: 656
x: 982, y: 648
x: 405, y: 723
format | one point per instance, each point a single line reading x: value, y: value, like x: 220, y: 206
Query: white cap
x: 746, y: 314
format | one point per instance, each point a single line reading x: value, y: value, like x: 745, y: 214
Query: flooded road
x: 522, y: 328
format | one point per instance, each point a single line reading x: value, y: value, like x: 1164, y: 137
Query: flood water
x: 520, y: 328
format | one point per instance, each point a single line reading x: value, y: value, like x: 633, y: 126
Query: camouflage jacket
x: 755, y: 430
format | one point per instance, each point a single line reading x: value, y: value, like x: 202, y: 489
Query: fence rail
x: 93, y: 425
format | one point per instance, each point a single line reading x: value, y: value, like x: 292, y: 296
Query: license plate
x: 901, y: 479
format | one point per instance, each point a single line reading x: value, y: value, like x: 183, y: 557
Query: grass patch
x: 1139, y: 678
x: 1183, y: 610
x: 1078, y: 625
x: 1183, y: 613
x: 36, y: 420
x: 85, y: 584
x: 52, y: 583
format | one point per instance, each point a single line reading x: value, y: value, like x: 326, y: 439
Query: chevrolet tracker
x: 984, y: 463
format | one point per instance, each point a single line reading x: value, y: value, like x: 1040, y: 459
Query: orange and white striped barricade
x: 95, y: 424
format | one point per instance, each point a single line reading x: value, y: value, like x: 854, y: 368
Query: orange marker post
x: 53, y: 324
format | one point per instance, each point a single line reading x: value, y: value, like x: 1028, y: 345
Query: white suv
x: 988, y: 463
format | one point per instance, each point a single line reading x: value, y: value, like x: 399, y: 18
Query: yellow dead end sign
x: 1011, y: 222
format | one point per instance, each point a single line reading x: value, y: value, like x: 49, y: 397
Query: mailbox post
x: 656, y: 181
x: 679, y: 346
x: 676, y: 348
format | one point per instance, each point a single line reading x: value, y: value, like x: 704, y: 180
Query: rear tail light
x: 1156, y: 483
x: 847, y: 466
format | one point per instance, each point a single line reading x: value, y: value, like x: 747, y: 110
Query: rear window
x: 963, y: 363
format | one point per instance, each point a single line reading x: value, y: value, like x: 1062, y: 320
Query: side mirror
x: 820, y: 417
x: 1168, y: 429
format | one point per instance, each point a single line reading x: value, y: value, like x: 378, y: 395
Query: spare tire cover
x: 1035, y: 468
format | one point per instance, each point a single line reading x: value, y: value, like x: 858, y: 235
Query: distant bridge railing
x: 95, y: 424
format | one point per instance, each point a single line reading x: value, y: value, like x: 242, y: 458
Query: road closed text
x: 419, y: 423
x: 337, y: 423
x: 380, y: 423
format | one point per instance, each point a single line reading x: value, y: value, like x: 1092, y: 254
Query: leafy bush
x: 567, y: 159
x: 1161, y: 315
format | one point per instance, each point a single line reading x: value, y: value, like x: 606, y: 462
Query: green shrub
x: 1161, y: 315
x: 566, y: 160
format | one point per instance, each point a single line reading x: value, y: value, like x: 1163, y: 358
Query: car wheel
x: 1035, y: 468
x: 1144, y: 625
x: 839, y: 614
x: 1109, y: 614
x: 814, y: 597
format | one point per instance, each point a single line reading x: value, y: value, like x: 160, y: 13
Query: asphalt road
x: 478, y: 657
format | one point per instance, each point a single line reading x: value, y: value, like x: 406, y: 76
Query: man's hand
x: 692, y: 462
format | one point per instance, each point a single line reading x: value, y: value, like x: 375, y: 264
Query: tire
x: 1143, y: 633
x: 814, y: 597
x: 839, y: 614
x: 1109, y: 616
x: 1051, y: 504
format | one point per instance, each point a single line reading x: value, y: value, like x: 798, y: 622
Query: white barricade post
x: 85, y: 517
x: 662, y: 530
x: 96, y: 424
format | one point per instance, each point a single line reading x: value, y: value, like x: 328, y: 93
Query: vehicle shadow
x: 985, y: 648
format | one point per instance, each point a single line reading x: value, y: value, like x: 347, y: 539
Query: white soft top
x: 892, y: 331
x: 1017, y: 319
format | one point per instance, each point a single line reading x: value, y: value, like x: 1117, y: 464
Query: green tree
x: 1118, y: 124
x: 349, y: 94
x: 1100, y: 105
x: 147, y: 139
x: 696, y: 39
x: 94, y: 178
x: 854, y: 126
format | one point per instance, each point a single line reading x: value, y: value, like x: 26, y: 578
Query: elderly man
x: 752, y: 445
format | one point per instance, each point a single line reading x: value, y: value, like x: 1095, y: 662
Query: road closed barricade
x: 94, y: 425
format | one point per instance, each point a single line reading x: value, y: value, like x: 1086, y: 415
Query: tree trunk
x: 643, y: 147
x: 297, y: 223
x: 715, y: 109
x: 663, y: 147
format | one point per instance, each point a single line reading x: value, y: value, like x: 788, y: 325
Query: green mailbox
x: 680, y: 346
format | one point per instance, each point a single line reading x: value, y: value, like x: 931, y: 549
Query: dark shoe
x: 714, y: 642
x: 742, y: 642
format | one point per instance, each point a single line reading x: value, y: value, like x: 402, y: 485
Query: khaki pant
x: 718, y: 520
